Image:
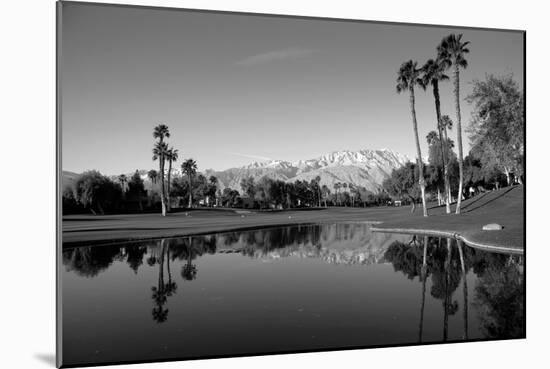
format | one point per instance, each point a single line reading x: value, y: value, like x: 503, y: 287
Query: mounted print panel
x: 235, y: 184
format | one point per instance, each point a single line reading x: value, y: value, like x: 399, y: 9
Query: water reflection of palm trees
x: 441, y: 265
x: 161, y: 290
x: 499, y: 291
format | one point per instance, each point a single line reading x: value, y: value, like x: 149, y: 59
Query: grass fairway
x: 504, y: 207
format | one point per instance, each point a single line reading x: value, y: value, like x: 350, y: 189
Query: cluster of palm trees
x: 167, y: 154
x: 450, y: 56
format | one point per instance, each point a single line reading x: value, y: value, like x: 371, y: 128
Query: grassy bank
x: 504, y: 207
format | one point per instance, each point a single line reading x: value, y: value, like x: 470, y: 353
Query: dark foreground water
x: 282, y: 289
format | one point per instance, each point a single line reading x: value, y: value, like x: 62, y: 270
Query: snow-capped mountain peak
x: 367, y: 168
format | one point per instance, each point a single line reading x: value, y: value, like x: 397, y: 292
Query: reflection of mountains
x: 335, y: 244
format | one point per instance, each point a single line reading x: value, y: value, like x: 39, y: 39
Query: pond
x: 274, y: 290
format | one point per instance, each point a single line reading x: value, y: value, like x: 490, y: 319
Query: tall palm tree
x: 159, y: 153
x: 408, y: 77
x: 171, y: 156
x: 161, y: 132
x: 452, y: 52
x: 433, y: 73
x: 189, y: 167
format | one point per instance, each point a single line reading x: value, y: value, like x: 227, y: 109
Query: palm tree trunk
x: 458, y: 138
x: 162, y: 189
x: 190, y: 192
x: 168, y: 185
x: 443, y: 146
x: 421, y: 181
x: 446, y: 170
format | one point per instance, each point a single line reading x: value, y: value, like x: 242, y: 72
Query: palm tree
x: 214, y: 183
x: 318, y: 189
x: 161, y: 131
x: 433, y: 72
x: 159, y: 152
x: 189, y: 167
x: 451, y: 51
x: 408, y: 76
x: 171, y: 156
x: 123, y: 181
x: 153, y: 175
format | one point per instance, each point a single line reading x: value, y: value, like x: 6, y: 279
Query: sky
x: 235, y: 88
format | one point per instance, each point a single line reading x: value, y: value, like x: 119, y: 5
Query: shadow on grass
x: 468, y: 210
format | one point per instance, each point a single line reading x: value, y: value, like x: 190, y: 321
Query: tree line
x: 496, y: 129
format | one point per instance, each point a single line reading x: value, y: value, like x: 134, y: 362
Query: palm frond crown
x: 408, y: 76
x: 452, y: 51
x: 161, y: 131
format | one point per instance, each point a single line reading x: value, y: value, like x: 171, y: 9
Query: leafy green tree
x: 403, y: 182
x: 97, y: 192
x: 408, y: 77
x: 325, y: 193
x: 230, y: 198
x: 497, y: 125
x: 452, y: 53
x: 136, y: 189
x: 248, y: 186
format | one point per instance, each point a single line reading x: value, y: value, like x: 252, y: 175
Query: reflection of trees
x: 423, y: 277
x: 499, y: 291
x: 189, y: 249
x: 89, y: 261
x: 134, y: 257
x: 499, y: 297
x: 162, y: 290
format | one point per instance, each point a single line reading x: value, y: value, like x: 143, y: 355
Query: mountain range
x: 366, y: 168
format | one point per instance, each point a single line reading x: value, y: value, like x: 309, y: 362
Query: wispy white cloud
x: 257, y: 157
x: 290, y: 53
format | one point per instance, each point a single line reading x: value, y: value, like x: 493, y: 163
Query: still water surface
x: 282, y: 289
